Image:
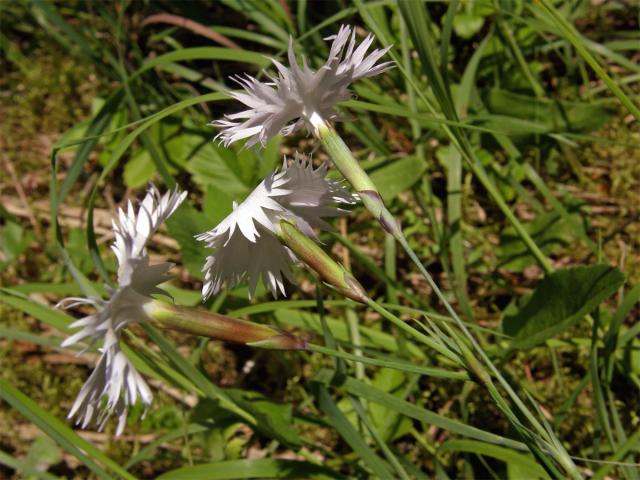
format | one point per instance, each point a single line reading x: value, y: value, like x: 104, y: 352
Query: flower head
x: 298, y: 96
x: 245, y: 243
x: 114, y: 384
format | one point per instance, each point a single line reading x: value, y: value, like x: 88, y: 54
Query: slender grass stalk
x: 354, y: 335
x: 405, y: 327
x: 371, y: 198
x: 343, y: 282
x: 362, y: 415
x: 401, y: 366
x: 571, y: 34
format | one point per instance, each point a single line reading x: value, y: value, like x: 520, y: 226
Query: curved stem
x: 427, y: 340
x: 353, y: 172
x: 401, y: 366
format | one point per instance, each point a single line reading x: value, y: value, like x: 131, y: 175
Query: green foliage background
x: 496, y: 108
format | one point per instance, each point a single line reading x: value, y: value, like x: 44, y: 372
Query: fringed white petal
x: 245, y: 245
x: 114, y: 384
x: 286, y: 104
x: 134, y: 228
x: 111, y: 388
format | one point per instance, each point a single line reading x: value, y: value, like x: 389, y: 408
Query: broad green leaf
x: 377, y: 437
x: 148, y: 452
x: 217, y: 205
x: 139, y: 169
x: 76, y: 248
x: 184, y: 225
x: 273, y: 419
x: 549, y: 115
x: 253, y: 468
x: 560, y: 300
x: 213, y: 166
x: 391, y: 424
x: 467, y: 25
x: 398, y: 176
x: 549, y: 231
x: 24, y: 468
x: 13, y: 241
x: 43, y: 453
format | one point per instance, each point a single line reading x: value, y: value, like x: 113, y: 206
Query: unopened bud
x: 315, y: 258
x: 220, y: 327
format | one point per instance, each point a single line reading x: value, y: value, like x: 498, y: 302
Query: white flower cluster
x: 291, y: 100
x: 115, y: 384
x: 245, y: 245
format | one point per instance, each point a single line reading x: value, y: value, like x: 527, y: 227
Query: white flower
x: 245, y: 243
x: 300, y: 97
x: 114, y: 384
x: 113, y: 380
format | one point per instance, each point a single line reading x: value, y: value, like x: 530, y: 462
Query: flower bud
x: 315, y: 258
x: 220, y: 327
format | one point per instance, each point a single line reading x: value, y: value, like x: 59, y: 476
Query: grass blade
x: 69, y: 440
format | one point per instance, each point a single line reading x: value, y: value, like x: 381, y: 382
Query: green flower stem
x: 355, y: 175
x: 341, y: 155
x: 402, y: 366
x: 356, y: 340
x: 405, y: 327
x: 350, y: 168
x: 335, y: 275
x: 220, y: 327
x: 370, y: 196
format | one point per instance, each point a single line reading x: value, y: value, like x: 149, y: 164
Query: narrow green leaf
x: 62, y: 434
x: 183, y: 226
x: 524, y: 462
x: 364, y: 391
x: 398, y: 176
x: 41, y: 312
x: 346, y: 430
x: 205, y: 53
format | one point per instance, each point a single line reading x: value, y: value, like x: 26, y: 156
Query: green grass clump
x: 505, y: 141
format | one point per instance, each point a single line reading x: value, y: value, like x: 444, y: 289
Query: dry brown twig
x: 72, y: 217
x: 17, y: 186
x: 192, y: 25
